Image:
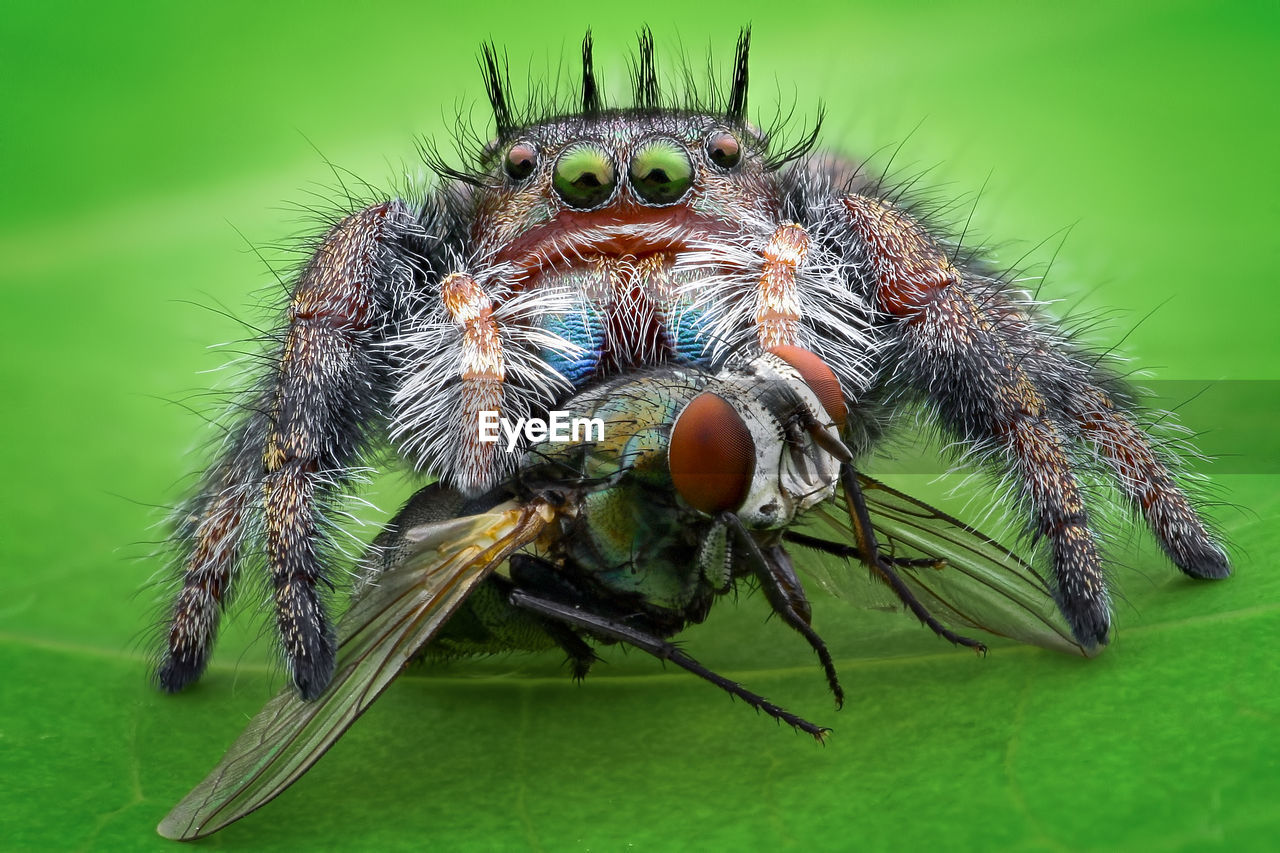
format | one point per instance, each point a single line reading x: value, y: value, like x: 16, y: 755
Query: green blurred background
x: 146, y: 148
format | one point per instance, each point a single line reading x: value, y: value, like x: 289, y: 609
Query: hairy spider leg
x: 995, y: 377
x: 777, y: 314
x: 1103, y: 411
x: 1148, y: 482
x: 295, y: 447
x: 483, y: 371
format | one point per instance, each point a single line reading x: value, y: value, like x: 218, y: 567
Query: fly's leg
x: 1013, y: 388
x: 853, y: 552
x: 294, y: 448
x: 868, y: 548
x: 614, y: 629
x: 786, y: 596
x: 581, y: 656
x: 536, y: 573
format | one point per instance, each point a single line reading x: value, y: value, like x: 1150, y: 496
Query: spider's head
x: 608, y: 183
x: 622, y: 183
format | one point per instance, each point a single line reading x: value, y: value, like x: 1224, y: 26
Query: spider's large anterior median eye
x: 584, y: 176
x: 712, y: 456
x: 521, y: 160
x: 661, y: 171
x: 724, y: 149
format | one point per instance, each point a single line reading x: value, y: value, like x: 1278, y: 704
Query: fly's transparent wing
x: 392, y: 618
x: 977, y: 582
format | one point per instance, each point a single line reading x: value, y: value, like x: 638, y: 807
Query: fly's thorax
x: 634, y: 540
x: 630, y: 421
x: 630, y: 536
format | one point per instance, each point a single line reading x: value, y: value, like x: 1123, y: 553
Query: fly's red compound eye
x: 724, y: 150
x: 820, y: 379
x: 712, y: 455
x: 521, y: 160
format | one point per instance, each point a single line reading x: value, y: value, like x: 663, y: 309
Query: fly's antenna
x: 646, y: 73
x: 590, y: 93
x: 737, y: 110
x: 497, y: 83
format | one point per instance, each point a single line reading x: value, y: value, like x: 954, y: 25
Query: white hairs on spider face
x: 721, y: 281
x: 429, y: 399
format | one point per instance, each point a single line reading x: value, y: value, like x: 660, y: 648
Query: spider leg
x: 210, y: 532
x: 1149, y: 483
x: 1101, y: 411
x: 294, y: 447
x: 783, y: 284
x: 482, y: 375
x: 777, y: 314
x: 1000, y: 380
x: 472, y: 356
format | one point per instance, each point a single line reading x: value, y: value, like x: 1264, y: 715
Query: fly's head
x: 762, y: 440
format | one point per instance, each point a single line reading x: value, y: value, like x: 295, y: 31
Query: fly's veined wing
x: 390, y: 620
x: 981, y: 584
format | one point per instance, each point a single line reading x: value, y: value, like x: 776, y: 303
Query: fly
x: 701, y: 481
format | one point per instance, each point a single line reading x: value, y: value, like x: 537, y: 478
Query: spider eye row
x: 660, y: 171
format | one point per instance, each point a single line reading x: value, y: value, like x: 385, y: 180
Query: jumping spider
x: 605, y: 239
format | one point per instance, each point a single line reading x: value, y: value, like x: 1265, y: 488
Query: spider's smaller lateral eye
x: 724, y: 149
x: 521, y: 160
